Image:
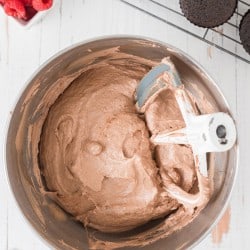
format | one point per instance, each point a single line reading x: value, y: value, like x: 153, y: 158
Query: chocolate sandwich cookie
x: 208, y: 13
x: 245, y: 31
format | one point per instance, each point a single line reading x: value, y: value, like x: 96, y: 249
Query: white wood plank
x: 3, y: 114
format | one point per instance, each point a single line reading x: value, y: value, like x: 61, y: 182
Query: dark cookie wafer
x: 208, y: 13
x: 245, y: 31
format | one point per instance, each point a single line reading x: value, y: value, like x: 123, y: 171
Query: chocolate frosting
x: 97, y: 159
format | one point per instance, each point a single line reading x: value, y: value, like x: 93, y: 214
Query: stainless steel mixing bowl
x: 64, y: 233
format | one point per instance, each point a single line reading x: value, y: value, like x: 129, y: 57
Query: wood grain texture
x: 23, y: 51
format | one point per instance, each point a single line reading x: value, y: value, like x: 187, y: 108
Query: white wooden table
x: 23, y: 51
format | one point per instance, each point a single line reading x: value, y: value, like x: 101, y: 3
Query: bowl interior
x: 53, y: 224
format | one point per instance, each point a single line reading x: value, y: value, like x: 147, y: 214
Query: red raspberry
x: 2, y: 2
x: 30, y: 12
x: 27, y: 2
x: 15, y: 8
x: 42, y: 4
